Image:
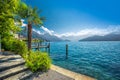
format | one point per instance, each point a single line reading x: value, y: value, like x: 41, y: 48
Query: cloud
x: 89, y: 32
x: 46, y: 30
x: 37, y: 31
x: 85, y: 32
x: 51, y: 32
x: 23, y: 24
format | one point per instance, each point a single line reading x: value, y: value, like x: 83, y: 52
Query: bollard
x: 38, y: 46
x: 66, y: 51
x: 49, y: 47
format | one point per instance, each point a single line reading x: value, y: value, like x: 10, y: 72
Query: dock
x: 38, y: 46
x: 43, y: 46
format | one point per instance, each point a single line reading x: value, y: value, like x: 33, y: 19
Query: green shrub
x: 38, y: 61
x: 14, y: 45
x: 7, y: 43
x: 19, y: 47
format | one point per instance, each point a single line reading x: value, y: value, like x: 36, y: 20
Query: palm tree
x: 32, y: 16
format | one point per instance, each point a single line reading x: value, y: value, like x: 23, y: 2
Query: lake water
x: 100, y: 60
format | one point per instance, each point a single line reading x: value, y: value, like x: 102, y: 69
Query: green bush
x: 7, y: 43
x: 19, y: 47
x: 14, y: 45
x: 38, y: 61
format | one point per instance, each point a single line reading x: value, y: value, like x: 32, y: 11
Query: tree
x: 8, y: 17
x: 8, y: 9
x: 12, y: 11
x: 32, y: 16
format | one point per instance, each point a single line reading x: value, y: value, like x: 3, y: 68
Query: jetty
x: 38, y: 46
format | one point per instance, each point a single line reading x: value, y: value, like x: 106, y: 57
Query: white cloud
x: 23, y: 24
x: 51, y: 32
x: 85, y: 32
x: 89, y: 32
x: 82, y: 33
x: 37, y: 31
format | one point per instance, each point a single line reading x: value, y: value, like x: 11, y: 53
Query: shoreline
x: 70, y: 74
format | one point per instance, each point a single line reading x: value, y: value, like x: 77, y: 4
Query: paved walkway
x: 75, y: 76
x: 50, y: 75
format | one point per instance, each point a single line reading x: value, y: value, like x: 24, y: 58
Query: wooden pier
x: 38, y: 46
x: 43, y: 46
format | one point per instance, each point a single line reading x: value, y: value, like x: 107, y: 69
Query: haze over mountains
x: 109, y: 37
x: 111, y: 34
x: 45, y: 36
x: 48, y: 37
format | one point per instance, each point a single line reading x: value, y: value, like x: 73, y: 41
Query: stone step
x: 13, y: 71
x: 2, y: 57
x: 10, y: 58
x: 21, y: 76
x: 7, y: 53
x: 10, y: 64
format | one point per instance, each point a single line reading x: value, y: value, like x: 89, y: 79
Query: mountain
x: 49, y: 37
x: 67, y: 40
x: 109, y: 37
x: 45, y: 36
x: 71, y: 38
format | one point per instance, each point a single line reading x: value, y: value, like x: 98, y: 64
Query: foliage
x: 31, y: 15
x: 37, y: 40
x: 11, y: 13
x: 8, y: 9
x: 19, y: 47
x: 14, y: 45
x: 38, y: 61
x: 8, y: 25
x: 7, y: 43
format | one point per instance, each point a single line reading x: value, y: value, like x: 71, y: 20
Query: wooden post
x: 40, y: 43
x: 38, y: 46
x: 49, y: 47
x: 66, y: 51
x: 46, y: 48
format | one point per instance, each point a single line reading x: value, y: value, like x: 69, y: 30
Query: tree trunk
x: 29, y: 35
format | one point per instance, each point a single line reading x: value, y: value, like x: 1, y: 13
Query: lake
x: 98, y: 59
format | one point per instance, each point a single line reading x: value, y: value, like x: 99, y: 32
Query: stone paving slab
x: 71, y: 74
x: 20, y: 75
x: 12, y: 70
x: 50, y: 75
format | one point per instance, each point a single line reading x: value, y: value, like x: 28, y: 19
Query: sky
x: 77, y: 17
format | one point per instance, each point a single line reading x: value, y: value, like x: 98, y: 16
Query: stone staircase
x: 12, y: 67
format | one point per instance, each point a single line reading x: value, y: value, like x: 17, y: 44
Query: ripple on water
x: 100, y: 60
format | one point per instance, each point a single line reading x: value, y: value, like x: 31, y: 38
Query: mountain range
x: 109, y: 37
x: 45, y: 36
